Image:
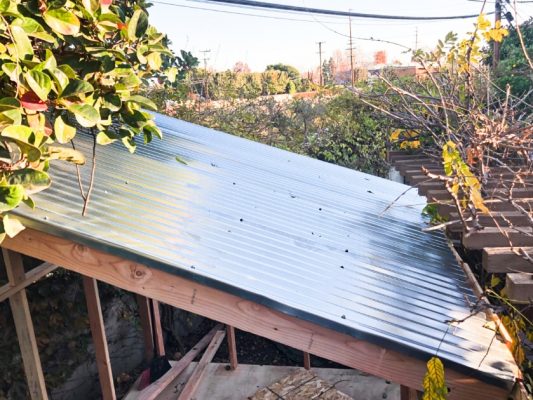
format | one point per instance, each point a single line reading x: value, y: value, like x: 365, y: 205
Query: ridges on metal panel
x: 305, y: 237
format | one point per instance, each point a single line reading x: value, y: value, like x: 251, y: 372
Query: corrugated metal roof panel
x: 302, y: 236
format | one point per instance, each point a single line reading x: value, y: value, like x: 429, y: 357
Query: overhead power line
x: 309, y: 10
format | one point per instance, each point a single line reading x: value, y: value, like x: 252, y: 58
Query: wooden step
x: 519, y: 287
x: 498, y: 237
x: 506, y: 259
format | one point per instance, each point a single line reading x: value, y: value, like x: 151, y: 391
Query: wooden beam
x: 519, y: 287
x: 24, y: 327
x: 30, y: 277
x: 506, y: 259
x: 307, y: 360
x: 158, y: 330
x: 152, y: 391
x: 247, y: 315
x: 232, y: 347
x: 192, y: 384
x: 96, y: 320
x: 145, y: 317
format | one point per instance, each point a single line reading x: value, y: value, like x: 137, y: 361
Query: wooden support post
x: 24, y: 327
x: 307, y: 360
x: 158, y: 331
x: 145, y: 317
x: 232, y: 347
x: 407, y: 393
x: 192, y: 384
x: 96, y: 321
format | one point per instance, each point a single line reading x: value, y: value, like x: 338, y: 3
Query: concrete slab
x: 221, y: 384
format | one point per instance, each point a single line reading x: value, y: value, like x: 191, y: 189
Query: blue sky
x: 260, y: 41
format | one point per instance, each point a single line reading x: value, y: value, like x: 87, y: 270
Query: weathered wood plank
x: 152, y: 391
x: 232, y: 347
x: 30, y: 277
x: 192, y: 384
x: 96, y: 321
x: 246, y: 315
x: 408, y: 393
x: 506, y: 259
x: 145, y: 316
x: 498, y: 237
x: 519, y: 287
x: 24, y: 327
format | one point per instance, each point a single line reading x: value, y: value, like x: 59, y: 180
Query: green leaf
x: 10, y: 69
x: 66, y: 154
x: 10, y: 197
x: 112, y: 102
x: 143, y: 102
x: 62, y: 21
x: 86, y: 115
x: 76, y: 87
x: 21, y: 135
x: 171, y: 74
x: 105, y: 138
x: 23, y: 44
x: 9, y: 103
x: 137, y: 25
x: 29, y: 202
x: 60, y: 78
x: 39, y: 82
x: 32, y: 180
x: 154, y: 61
x: 63, y: 132
x: 180, y: 160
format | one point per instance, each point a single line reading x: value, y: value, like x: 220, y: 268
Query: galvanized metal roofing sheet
x: 305, y: 237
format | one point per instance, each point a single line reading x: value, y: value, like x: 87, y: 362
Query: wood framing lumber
x: 192, y: 384
x: 307, y: 360
x: 519, y: 287
x: 30, y: 277
x: 158, y: 330
x: 507, y: 259
x: 24, y: 327
x: 152, y: 391
x: 232, y: 347
x: 408, y: 393
x: 96, y: 321
x: 246, y: 315
x: 145, y: 317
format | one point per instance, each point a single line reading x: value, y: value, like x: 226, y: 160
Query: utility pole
x: 320, y: 60
x: 205, y: 53
x: 352, y: 77
x: 496, y: 44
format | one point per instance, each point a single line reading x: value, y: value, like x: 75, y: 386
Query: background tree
x: 241, y: 67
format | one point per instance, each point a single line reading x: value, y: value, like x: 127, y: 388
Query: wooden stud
x: 407, y: 393
x: 250, y: 316
x: 96, y: 321
x: 152, y: 391
x: 24, y: 327
x: 232, y: 347
x: 519, y: 287
x: 307, y: 360
x: 498, y: 237
x: 158, y: 330
x: 32, y: 276
x: 145, y: 317
x: 192, y: 384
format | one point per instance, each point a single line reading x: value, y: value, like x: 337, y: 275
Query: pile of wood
x: 506, y: 239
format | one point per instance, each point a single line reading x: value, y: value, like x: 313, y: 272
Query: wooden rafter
x: 145, y: 316
x: 232, y: 347
x: 30, y: 277
x: 246, y: 315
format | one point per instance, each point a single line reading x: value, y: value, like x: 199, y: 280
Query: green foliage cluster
x: 228, y: 85
x: 336, y: 128
x: 513, y: 69
x: 66, y: 64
